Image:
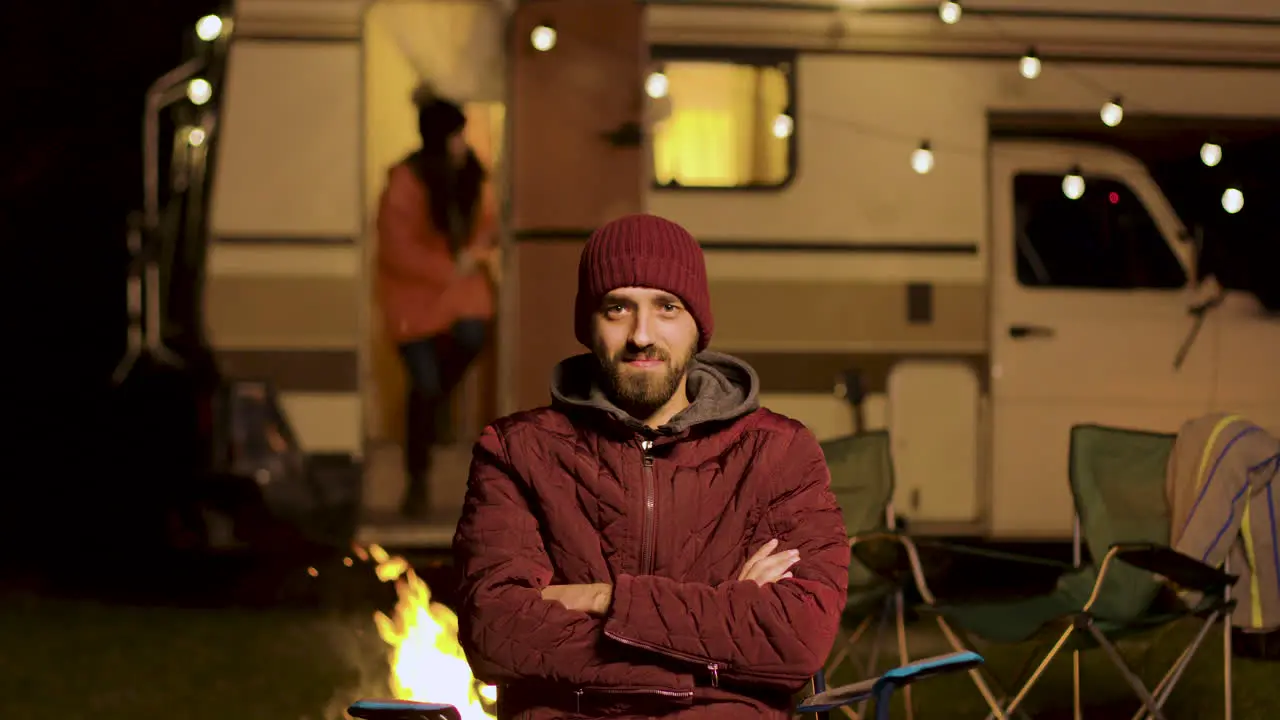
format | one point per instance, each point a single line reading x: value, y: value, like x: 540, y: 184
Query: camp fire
x: 427, y: 663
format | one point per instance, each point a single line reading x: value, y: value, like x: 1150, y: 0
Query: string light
x: 783, y: 126
x: 1211, y: 154
x: 1112, y: 112
x: 656, y: 85
x: 1029, y: 65
x: 1232, y: 200
x: 208, y: 28
x: 950, y: 12
x: 196, y: 137
x: 922, y: 158
x: 1073, y: 184
x: 199, y: 91
x: 543, y: 37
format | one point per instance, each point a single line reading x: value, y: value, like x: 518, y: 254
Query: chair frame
x: 880, y: 690
x: 894, y: 603
x: 1152, y: 558
x: 853, y: 389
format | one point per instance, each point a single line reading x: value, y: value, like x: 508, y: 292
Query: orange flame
x: 427, y: 662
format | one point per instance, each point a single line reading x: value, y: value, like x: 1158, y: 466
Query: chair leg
x: 974, y: 674
x: 1226, y: 647
x: 847, y: 648
x: 1226, y: 667
x: 1171, y: 677
x: 1134, y: 681
x: 903, y: 656
x: 1165, y: 687
x: 1044, y: 664
x: 1003, y: 696
x: 1076, y: 711
x: 819, y: 684
x: 883, y: 702
x: 872, y: 666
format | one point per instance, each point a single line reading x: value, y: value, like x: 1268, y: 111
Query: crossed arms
x: 773, y: 626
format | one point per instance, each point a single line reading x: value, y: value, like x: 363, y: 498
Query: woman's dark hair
x: 453, y: 192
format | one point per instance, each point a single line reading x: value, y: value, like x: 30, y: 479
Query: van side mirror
x: 1195, y: 238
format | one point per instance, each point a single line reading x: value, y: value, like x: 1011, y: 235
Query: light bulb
x: 950, y: 12
x: 1210, y: 154
x: 543, y: 37
x: 1029, y: 65
x: 922, y: 158
x: 656, y: 85
x: 199, y: 91
x: 1232, y: 200
x: 783, y: 126
x: 208, y: 28
x: 1073, y: 184
x: 1112, y: 112
x: 196, y: 137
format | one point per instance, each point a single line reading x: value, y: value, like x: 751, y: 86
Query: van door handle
x: 1021, y: 332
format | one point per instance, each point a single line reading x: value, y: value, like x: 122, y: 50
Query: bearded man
x: 654, y: 544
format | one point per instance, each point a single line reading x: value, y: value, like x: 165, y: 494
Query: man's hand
x: 766, y: 566
x: 592, y: 599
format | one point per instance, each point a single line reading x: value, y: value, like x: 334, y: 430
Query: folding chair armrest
x: 1180, y: 569
x: 846, y: 695
x: 864, y: 546
x: 931, y: 666
x: 1002, y: 556
x: 373, y: 709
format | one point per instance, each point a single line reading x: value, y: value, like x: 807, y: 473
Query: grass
x: 1105, y: 694
x: 63, y: 660
x: 73, y: 661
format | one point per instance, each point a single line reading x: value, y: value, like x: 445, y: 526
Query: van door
x: 1089, y: 309
x: 1248, y: 345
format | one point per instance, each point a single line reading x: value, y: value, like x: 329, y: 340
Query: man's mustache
x: 651, y: 353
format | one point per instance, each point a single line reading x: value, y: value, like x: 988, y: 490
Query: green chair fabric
x: 1117, y: 480
x: 862, y: 480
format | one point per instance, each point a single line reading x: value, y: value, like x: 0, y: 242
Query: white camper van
x: 845, y: 166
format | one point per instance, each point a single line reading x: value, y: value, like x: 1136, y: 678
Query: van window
x: 1103, y: 240
x: 730, y: 125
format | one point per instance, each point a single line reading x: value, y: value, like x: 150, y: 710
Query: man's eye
x: 670, y: 308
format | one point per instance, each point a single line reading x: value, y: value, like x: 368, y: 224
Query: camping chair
x: 861, y: 467
x: 1118, y: 482
x: 862, y: 479
x: 880, y: 689
x: 402, y: 710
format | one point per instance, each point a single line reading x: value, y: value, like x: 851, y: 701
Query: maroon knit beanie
x: 642, y: 251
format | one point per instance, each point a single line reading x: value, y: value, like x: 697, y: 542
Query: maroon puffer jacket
x: 581, y: 493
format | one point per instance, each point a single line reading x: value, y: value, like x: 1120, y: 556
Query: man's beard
x: 641, y: 392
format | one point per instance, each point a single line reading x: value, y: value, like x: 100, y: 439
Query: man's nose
x: 642, y: 330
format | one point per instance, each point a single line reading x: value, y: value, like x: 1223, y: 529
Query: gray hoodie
x: 721, y: 387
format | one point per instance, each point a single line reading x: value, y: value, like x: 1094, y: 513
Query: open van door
x: 1090, y: 301
x: 577, y: 161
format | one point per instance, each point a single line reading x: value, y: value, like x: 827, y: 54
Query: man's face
x: 644, y: 339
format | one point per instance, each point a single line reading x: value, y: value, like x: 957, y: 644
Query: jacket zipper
x: 581, y: 692
x: 649, y: 531
x: 713, y: 667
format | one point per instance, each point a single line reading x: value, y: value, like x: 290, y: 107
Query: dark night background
x: 90, y: 465
x: 90, y: 468
x: 76, y: 76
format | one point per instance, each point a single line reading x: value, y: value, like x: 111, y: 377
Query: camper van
x: 951, y: 204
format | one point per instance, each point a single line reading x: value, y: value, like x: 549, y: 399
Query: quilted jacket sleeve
x: 508, y: 631
x: 775, y: 635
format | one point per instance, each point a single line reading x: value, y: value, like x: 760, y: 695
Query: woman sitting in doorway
x: 437, y: 268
